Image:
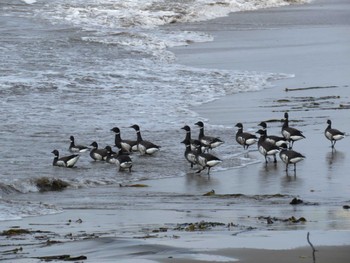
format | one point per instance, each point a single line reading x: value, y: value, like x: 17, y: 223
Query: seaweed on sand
x: 292, y: 219
x: 198, y: 226
x: 45, y: 184
x: 15, y: 232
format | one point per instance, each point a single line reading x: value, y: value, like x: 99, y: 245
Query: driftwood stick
x: 308, y: 240
x: 308, y: 88
x: 312, y: 246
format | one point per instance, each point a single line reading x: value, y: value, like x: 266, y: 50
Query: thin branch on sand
x: 312, y: 246
x: 307, y: 88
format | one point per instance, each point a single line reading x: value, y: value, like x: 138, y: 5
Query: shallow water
x: 80, y: 68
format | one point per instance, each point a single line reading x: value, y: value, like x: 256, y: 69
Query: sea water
x: 82, y: 67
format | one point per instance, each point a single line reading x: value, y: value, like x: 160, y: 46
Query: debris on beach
x: 244, y: 196
x: 82, y: 236
x: 283, y: 100
x: 270, y: 220
x: 161, y: 229
x: 15, y: 232
x: 46, y: 184
x: 296, y: 201
x: 308, y: 88
x: 212, y: 192
x: 12, y: 251
x: 62, y: 257
x: 133, y: 185
x: 295, y: 220
x: 198, y: 226
x: 147, y: 236
x: 78, y: 221
x: 309, y: 102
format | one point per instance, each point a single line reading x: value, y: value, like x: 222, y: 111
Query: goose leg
x: 200, y: 170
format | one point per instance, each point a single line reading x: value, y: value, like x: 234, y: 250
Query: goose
x: 206, y: 160
x: 244, y: 138
x: 291, y: 134
x: 109, y: 149
x: 121, y: 159
x: 126, y: 145
x: 267, y: 148
x: 208, y: 141
x: 64, y: 161
x: 190, y: 155
x: 144, y: 147
x: 193, y: 142
x: 111, y: 155
x: 124, y: 162
x: 290, y: 157
x: 333, y: 135
x: 274, y: 139
x: 97, y: 154
x: 77, y: 148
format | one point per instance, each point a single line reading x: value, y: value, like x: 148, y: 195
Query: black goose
x: 144, y: 147
x: 193, y: 143
x: 291, y: 134
x: 65, y: 161
x: 244, y: 138
x: 276, y: 140
x: 121, y: 159
x: 97, y: 154
x: 265, y: 147
x: 124, y: 162
x: 206, y: 160
x: 111, y: 155
x: 126, y: 145
x: 76, y: 148
x: 208, y: 141
x: 190, y: 155
x: 333, y: 135
x: 290, y: 156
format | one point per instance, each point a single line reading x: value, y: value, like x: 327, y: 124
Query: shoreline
x: 289, y: 40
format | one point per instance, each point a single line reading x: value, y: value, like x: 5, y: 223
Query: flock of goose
x: 268, y: 145
x: 121, y: 158
x: 197, y: 150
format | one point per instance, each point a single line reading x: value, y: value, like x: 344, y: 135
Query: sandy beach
x: 309, y: 42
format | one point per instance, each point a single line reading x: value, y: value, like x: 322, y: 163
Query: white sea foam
x: 29, y: 1
x: 131, y: 24
x: 140, y: 13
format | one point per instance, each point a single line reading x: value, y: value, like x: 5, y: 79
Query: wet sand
x: 307, y: 41
x: 324, y: 254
